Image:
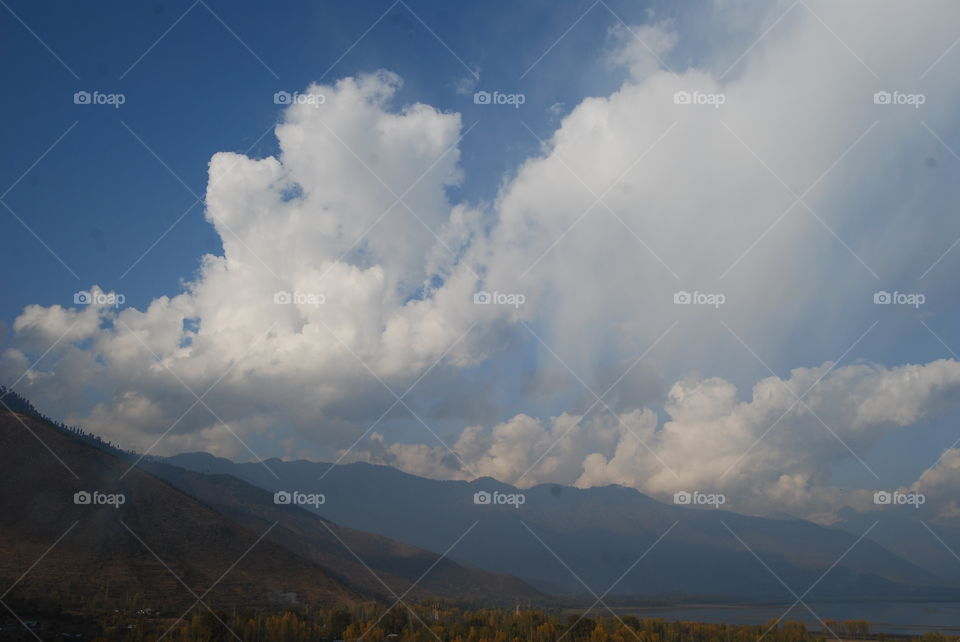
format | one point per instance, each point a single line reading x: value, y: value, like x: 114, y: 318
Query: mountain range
x: 195, y: 526
x: 576, y: 542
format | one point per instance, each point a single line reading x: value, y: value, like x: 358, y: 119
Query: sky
x: 674, y: 246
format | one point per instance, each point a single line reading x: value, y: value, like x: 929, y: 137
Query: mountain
x: 564, y: 540
x: 344, y: 551
x: 101, y: 554
x: 933, y: 545
x: 154, y: 528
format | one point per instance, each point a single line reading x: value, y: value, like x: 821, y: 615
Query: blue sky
x: 695, y: 210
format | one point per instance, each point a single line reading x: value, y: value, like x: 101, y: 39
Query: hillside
x: 215, y: 533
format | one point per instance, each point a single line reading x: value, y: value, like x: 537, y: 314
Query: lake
x: 886, y: 617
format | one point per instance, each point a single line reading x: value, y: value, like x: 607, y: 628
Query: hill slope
x: 104, y: 549
x: 215, y: 533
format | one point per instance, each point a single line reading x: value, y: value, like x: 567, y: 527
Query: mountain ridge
x: 599, y: 532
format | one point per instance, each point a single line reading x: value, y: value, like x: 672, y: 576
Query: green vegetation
x: 425, y: 622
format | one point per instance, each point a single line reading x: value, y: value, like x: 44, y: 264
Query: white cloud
x: 768, y: 453
x: 641, y: 48
x: 320, y: 221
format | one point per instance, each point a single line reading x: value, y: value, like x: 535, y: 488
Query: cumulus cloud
x: 348, y: 269
x: 766, y: 453
x: 326, y: 284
